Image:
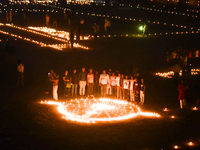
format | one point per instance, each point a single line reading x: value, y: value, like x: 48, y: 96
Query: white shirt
x: 131, y: 84
x: 126, y: 84
x: 104, y: 79
x: 90, y: 78
x: 113, y: 80
x: 118, y: 81
x: 20, y: 68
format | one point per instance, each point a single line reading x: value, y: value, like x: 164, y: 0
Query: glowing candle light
x: 190, y: 144
x: 194, y: 108
x: 176, y: 147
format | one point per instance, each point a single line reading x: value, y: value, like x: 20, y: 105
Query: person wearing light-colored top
x: 103, y: 82
x: 126, y: 88
x: 113, y: 84
x: 20, y: 70
x: 90, y: 82
x: 132, y: 96
x: 118, y: 85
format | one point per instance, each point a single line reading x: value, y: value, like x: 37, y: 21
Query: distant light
x: 176, y: 147
x: 190, y: 144
x: 141, y: 28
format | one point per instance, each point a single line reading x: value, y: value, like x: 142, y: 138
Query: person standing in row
x: 136, y: 90
x: 74, y: 79
x: 67, y: 84
x: 20, y: 70
x: 122, y: 86
x: 103, y: 82
x: 90, y: 82
x: 118, y: 85
x: 109, y: 91
x: 142, y: 91
x: 132, y: 95
x: 54, y: 79
x: 126, y: 88
x: 82, y: 77
x: 96, y: 83
x: 113, y: 84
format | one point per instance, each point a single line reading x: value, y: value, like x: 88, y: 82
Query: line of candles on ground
x: 89, y: 3
x: 51, y: 33
x: 102, y: 3
x: 113, y: 17
x: 171, y: 73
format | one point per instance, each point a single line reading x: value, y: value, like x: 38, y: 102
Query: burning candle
x: 190, y: 144
x: 176, y: 147
x: 194, y: 108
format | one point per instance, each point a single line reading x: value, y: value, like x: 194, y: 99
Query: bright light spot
x: 190, y: 144
x: 95, y: 110
x: 176, y: 147
x: 165, y: 109
x: 194, y: 108
x: 141, y: 28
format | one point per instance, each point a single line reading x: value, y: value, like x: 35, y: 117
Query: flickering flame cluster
x: 98, y: 110
x: 47, y: 32
x: 171, y: 73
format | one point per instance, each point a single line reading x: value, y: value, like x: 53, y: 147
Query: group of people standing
x: 120, y: 86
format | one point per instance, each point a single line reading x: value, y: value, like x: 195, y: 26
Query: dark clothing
x: 136, y: 86
x: 142, y: 86
x: 126, y: 94
x: 90, y: 88
x: 114, y: 91
x: 72, y: 39
x: 138, y: 80
x: 96, y: 78
x: 103, y: 90
x: 74, y: 77
x: 67, y: 86
x: 82, y: 76
x: 121, y: 82
x: 67, y: 78
x: 137, y: 96
x: 96, y: 88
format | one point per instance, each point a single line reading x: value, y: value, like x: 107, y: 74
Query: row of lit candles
x: 49, y: 35
x: 114, y: 17
x: 132, y: 19
x: 55, y: 46
x: 171, y: 73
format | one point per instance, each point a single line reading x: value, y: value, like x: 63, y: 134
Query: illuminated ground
x: 26, y: 124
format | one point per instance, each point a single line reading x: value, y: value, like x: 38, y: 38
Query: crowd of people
x: 183, y: 56
x: 115, y: 85
x: 182, y: 59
